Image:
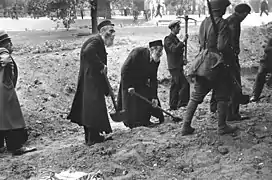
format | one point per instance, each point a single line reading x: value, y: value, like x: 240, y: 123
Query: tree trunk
x: 108, y: 10
x: 94, y: 16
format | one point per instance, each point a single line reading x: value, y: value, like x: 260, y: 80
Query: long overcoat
x: 140, y: 73
x: 11, y: 116
x: 89, y: 106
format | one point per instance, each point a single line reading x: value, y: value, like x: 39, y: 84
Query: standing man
x: 215, y: 44
x: 12, y: 124
x: 89, y: 107
x: 174, y: 48
x: 235, y: 20
x: 158, y: 13
x: 264, y: 7
x: 264, y: 68
x: 140, y: 73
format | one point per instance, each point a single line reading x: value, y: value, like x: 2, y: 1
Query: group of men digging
x: 217, y: 70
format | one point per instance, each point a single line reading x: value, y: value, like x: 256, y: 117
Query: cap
x: 173, y: 24
x: 104, y: 23
x: 155, y: 43
x: 3, y: 35
x: 242, y: 8
x: 219, y: 4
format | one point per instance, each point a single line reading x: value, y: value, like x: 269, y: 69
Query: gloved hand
x: 155, y: 103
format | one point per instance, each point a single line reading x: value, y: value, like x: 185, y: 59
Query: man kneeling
x: 140, y: 72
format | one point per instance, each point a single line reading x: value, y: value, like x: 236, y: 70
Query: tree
x: 93, y: 4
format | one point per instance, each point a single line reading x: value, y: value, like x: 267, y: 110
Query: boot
x: 186, y: 128
x: 223, y: 128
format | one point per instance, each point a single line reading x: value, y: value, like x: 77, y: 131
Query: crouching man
x: 12, y: 124
x: 140, y: 72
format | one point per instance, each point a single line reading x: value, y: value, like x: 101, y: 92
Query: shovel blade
x: 118, y: 116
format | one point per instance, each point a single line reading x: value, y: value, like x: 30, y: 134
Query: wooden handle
x: 111, y: 92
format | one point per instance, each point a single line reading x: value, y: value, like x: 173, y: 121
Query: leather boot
x: 186, y: 128
x: 223, y: 128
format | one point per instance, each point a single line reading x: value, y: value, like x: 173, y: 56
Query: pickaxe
x: 186, y: 18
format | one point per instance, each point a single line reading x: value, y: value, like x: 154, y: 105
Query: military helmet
x: 219, y: 4
x: 3, y: 35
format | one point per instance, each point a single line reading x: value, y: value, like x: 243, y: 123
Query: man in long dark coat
x: 89, y: 106
x: 12, y: 124
x: 220, y: 82
x: 140, y: 72
x: 264, y: 7
x: 237, y: 97
x: 174, y: 48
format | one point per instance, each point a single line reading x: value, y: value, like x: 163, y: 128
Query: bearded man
x: 12, y: 124
x: 139, y: 71
x: 89, y: 107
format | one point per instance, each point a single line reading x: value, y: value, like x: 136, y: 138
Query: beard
x: 156, y: 57
x: 109, y: 42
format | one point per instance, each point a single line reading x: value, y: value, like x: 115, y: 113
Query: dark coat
x: 174, y: 49
x: 264, y: 6
x: 11, y: 116
x: 89, y: 106
x: 235, y: 29
x: 266, y: 61
x: 141, y: 74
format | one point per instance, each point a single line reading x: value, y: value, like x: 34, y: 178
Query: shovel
x: 132, y: 92
x: 118, y: 116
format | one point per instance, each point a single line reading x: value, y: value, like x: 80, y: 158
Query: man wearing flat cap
x: 12, y: 124
x: 139, y: 72
x: 237, y: 97
x: 174, y: 48
x: 89, y: 107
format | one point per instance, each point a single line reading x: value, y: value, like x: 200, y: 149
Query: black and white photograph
x: 135, y: 89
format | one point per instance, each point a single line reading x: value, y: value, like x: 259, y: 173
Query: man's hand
x: 185, y: 38
x: 155, y: 103
x: 104, y: 70
x: 5, y: 59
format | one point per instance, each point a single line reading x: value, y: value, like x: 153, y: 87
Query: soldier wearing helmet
x: 217, y: 54
x: 237, y: 97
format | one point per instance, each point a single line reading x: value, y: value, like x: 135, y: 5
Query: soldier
x: 174, y: 48
x: 237, y: 97
x: 264, y: 68
x: 12, y: 124
x: 213, y: 44
x: 89, y: 107
x: 139, y: 71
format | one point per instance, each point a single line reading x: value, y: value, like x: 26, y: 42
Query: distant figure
x: 264, y: 7
x: 82, y: 12
x: 158, y: 10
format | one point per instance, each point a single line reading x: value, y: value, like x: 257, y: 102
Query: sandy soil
x: 47, y: 82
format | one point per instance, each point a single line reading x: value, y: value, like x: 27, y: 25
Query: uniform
x: 220, y: 84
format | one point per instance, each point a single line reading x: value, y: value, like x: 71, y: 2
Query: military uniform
x: 180, y: 89
x: 264, y: 68
x: 220, y: 84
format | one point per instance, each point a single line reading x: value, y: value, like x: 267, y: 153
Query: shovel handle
x: 110, y: 92
x: 149, y: 102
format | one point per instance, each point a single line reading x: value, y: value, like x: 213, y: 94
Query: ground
x: 48, y: 71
